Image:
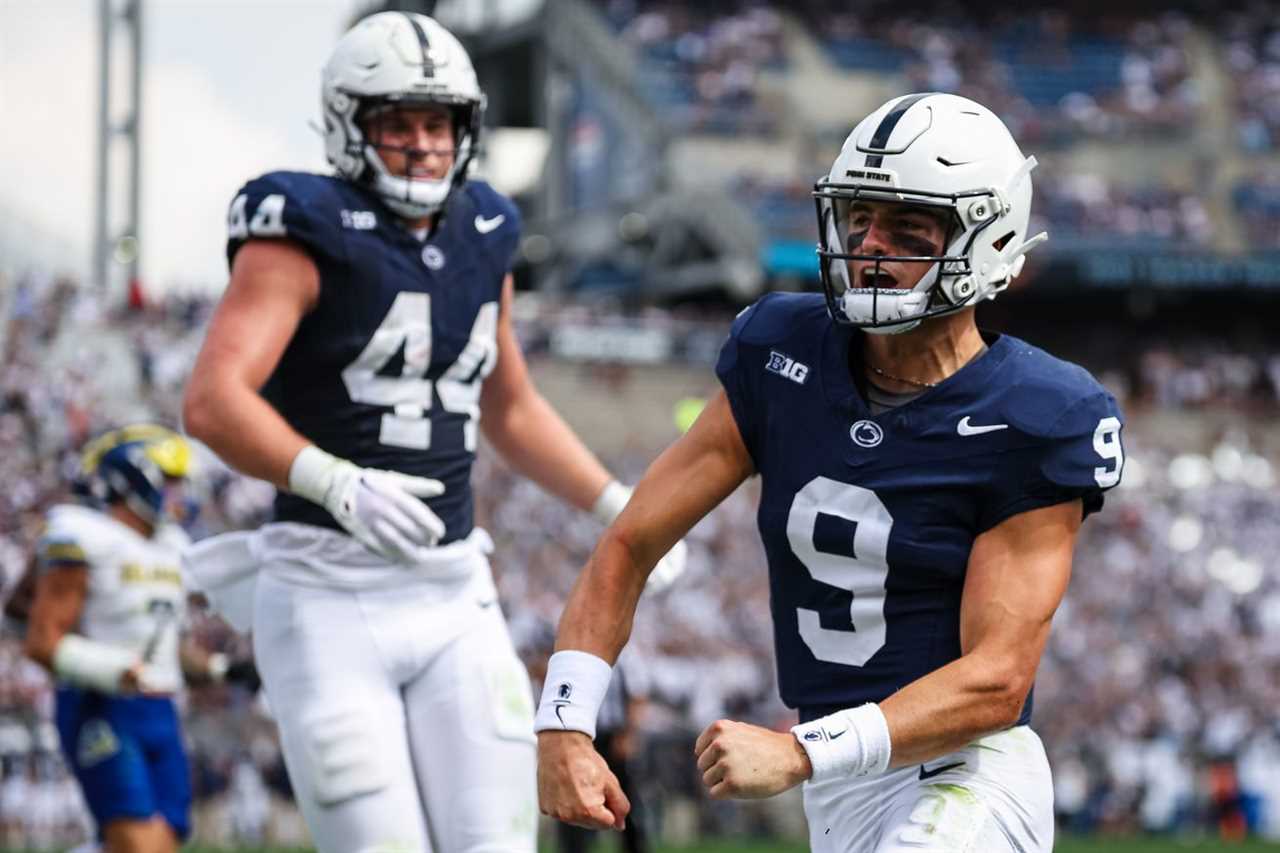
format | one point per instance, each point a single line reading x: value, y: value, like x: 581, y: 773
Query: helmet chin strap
x: 896, y: 309
x: 405, y: 196
x: 891, y: 330
x: 883, y: 306
x: 415, y: 198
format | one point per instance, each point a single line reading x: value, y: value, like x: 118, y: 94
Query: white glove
x: 380, y: 509
x: 610, y: 505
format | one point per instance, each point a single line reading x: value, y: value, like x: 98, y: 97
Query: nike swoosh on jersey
x: 929, y: 774
x: 965, y: 428
x: 484, y: 226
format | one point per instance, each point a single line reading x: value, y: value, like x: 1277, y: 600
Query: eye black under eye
x: 915, y: 244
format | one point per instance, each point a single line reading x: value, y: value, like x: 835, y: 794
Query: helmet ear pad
x: 344, y: 141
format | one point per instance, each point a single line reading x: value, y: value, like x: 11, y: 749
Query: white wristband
x: 86, y: 663
x: 611, y: 502
x: 311, y: 473
x: 217, y: 667
x: 848, y: 743
x: 575, y: 686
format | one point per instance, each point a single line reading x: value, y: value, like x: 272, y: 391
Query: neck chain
x: 917, y: 383
x: 878, y: 372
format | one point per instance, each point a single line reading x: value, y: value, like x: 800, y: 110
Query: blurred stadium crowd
x: 1115, y: 103
x: 1156, y: 697
x: 1158, y: 691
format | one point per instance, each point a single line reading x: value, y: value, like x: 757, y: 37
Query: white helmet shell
x: 396, y: 58
x: 937, y: 150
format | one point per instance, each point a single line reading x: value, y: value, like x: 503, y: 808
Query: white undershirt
x: 881, y: 401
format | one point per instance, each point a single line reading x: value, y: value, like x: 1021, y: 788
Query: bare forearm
x: 535, y: 441
x: 243, y: 429
x: 41, y: 641
x: 1018, y: 572
x: 949, y: 708
x: 598, y: 616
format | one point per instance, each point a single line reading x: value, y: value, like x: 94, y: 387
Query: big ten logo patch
x: 785, y: 365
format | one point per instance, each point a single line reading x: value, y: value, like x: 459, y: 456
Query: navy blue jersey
x: 386, y: 370
x: 868, y: 520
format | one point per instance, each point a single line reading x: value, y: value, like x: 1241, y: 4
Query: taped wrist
x: 611, y: 502
x: 849, y: 743
x: 217, y: 667
x: 571, y: 696
x: 86, y: 663
x: 311, y: 473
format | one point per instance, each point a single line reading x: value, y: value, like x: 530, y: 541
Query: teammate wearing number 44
x: 922, y: 487
x: 366, y: 332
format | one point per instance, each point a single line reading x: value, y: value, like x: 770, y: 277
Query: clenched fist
x: 741, y: 761
x: 575, y: 785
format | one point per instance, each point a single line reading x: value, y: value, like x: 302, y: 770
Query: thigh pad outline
x: 945, y: 817
x: 344, y: 756
x: 510, y: 697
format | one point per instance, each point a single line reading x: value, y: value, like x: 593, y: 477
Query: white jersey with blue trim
x: 135, y: 597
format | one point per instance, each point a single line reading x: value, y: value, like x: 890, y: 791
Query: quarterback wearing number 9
x: 366, y: 332
x: 922, y: 485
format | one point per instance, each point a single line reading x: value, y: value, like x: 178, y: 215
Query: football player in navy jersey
x: 922, y: 485
x: 366, y: 332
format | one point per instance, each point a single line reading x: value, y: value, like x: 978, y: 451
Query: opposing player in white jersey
x: 108, y: 607
x: 922, y: 486
x: 364, y: 336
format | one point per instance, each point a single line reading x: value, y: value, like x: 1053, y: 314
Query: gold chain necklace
x: 878, y: 372
x: 917, y: 383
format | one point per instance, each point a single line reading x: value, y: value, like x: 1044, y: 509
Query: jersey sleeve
x: 1080, y: 456
x: 286, y: 206
x: 507, y: 235
x: 734, y: 376
x: 59, y: 547
x: 496, y: 225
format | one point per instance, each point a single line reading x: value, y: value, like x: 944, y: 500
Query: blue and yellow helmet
x: 135, y: 464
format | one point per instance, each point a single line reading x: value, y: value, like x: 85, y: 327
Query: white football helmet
x: 389, y: 59
x: 937, y: 151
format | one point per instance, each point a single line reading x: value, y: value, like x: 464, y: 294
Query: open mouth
x: 878, y: 279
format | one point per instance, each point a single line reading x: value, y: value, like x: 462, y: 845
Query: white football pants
x: 993, y: 796
x: 405, y: 716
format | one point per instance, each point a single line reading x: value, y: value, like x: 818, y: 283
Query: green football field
x: 1066, y: 845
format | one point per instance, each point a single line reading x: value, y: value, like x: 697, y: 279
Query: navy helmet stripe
x: 880, y: 139
x: 428, y: 68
